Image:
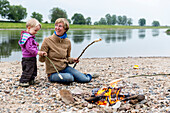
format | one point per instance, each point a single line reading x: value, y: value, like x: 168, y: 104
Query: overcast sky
x: 149, y: 9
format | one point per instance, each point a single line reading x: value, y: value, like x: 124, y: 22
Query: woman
x: 58, y: 48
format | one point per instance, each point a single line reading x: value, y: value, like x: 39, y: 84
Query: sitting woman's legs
x: 78, y: 76
x: 67, y: 78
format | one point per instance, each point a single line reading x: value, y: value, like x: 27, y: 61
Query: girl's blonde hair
x: 33, y: 23
x: 64, y: 21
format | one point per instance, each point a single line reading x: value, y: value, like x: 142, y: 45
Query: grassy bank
x: 8, y: 25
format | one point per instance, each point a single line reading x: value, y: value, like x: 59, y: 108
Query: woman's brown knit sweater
x: 58, y: 50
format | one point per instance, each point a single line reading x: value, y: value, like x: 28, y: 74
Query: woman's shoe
x: 95, y: 75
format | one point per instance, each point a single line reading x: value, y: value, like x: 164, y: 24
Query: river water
x: 115, y: 43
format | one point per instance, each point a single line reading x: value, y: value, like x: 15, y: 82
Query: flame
x: 108, y: 92
x: 117, y: 94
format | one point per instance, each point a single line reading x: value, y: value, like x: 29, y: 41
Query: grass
x: 11, y: 25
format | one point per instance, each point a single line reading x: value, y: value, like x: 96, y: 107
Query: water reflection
x: 78, y: 36
x: 141, y: 33
x: 155, y: 32
x: 9, y: 41
x: 39, y: 36
x: 124, y: 34
x: 108, y: 36
x: 115, y: 35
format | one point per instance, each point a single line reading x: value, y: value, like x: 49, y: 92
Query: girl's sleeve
x: 31, y: 46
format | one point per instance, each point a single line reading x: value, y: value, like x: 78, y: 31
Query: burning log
x: 105, y: 95
x: 94, y: 99
x: 137, y: 99
x: 133, y: 99
x: 111, y: 95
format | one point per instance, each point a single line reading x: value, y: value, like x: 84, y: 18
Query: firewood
x: 93, y: 99
x: 140, y: 97
x: 130, y: 98
x: 135, y: 97
x: 133, y: 101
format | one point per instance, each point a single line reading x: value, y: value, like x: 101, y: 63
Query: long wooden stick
x: 55, y: 68
x: 85, y: 50
x: 117, y: 80
x: 148, y: 75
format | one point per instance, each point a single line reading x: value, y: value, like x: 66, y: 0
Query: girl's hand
x: 42, y: 53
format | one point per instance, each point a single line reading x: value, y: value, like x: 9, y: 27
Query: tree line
x: 17, y: 13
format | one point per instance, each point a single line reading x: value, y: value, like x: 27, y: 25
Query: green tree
x: 108, y: 19
x: 119, y: 20
x: 78, y: 18
x: 88, y: 21
x: 142, y: 22
x: 102, y: 21
x: 37, y: 16
x: 17, y: 13
x: 129, y: 21
x: 4, y: 8
x: 124, y: 20
x: 56, y: 13
x: 69, y: 21
x: 155, y: 23
x: 114, y: 20
x: 96, y: 23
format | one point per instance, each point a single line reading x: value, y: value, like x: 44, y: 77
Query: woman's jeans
x: 69, y: 75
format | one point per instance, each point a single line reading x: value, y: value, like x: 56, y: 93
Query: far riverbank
x: 11, y: 25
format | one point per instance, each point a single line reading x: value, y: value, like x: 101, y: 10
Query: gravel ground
x: 44, y: 97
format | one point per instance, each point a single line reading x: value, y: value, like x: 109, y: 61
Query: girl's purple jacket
x: 28, y: 44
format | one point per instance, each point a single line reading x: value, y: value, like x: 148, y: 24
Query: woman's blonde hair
x: 64, y: 21
x: 33, y: 23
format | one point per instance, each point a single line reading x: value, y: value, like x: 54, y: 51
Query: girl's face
x: 59, y: 28
x: 33, y: 30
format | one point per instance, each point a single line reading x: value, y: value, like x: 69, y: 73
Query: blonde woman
x: 58, y: 48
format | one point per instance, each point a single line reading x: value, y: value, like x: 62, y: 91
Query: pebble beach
x: 44, y: 97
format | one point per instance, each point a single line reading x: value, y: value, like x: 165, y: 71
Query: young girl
x: 29, y: 52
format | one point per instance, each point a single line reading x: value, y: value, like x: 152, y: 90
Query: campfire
x: 111, y: 95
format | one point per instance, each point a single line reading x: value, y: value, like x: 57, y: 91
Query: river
x: 115, y: 43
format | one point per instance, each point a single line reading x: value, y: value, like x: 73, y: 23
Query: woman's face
x: 59, y: 28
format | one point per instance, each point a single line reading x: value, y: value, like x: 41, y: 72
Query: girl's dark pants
x: 29, y: 69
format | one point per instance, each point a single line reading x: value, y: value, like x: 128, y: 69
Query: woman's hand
x: 76, y: 60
